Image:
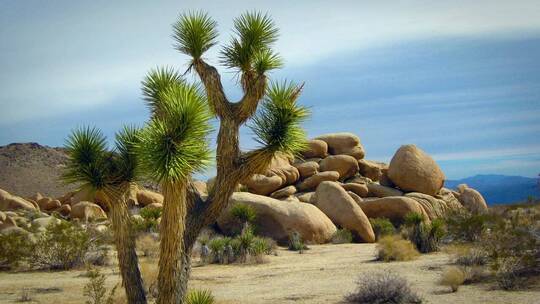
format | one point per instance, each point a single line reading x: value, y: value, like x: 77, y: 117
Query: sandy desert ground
x: 323, y: 274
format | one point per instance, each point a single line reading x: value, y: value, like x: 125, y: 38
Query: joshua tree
x: 276, y: 125
x: 172, y: 146
x: 112, y: 174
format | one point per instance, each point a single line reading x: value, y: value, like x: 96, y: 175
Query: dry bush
x: 394, y: 248
x: 149, y: 274
x: 25, y: 296
x: 148, y: 245
x: 383, y: 287
x: 453, y: 277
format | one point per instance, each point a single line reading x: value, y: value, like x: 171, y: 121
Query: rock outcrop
x: 345, y: 165
x: 412, y: 170
x: 395, y: 208
x: 471, y: 199
x: 278, y: 219
x: 343, y: 210
x: 343, y: 143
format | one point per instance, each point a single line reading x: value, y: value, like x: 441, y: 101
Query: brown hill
x: 27, y: 168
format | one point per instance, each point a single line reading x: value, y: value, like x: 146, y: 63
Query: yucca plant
x: 112, y: 173
x: 200, y: 296
x: 172, y: 146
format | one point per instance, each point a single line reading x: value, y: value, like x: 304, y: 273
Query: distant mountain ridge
x: 500, y: 189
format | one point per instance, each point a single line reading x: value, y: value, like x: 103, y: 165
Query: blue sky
x: 459, y: 79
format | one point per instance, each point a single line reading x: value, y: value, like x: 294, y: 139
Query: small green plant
x: 426, y: 237
x: 296, y: 243
x: 200, y: 296
x: 217, y: 247
x: 453, y: 277
x: 465, y: 226
x: 342, y: 236
x: 148, y: 221
x: 394, y: 248
x: 244, y: 215
x: 382, y: 227
x: 95, y: 290
x: 382, y: 287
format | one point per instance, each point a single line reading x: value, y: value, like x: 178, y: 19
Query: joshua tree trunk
x: 232, y: 165
x: 125, y: 246
x: 171, y: 246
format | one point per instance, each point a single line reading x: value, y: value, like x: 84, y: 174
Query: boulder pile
x: 348, y: 190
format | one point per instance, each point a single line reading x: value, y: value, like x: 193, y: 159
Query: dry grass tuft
x: 148, y: 245
x: 453, y: 277
x: 394, y: 248
x: 149, y: 273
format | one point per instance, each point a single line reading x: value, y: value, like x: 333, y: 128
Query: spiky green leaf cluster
x: 158, y: 80
x: 92, y: 165
x: 277, y: 125
x: 195, y: 33
x: 251, y: 49
x: 174, y: 145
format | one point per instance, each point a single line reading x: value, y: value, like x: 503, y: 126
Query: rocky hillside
x: 28, y: 168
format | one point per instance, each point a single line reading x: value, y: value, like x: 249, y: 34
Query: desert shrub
x: 296, y: 243
x: 383, y: 287
x: 426, y: 237
x: 342, y: 236
x: 95, y: 290
x: 200, y: 296
x: 463, y: 225
x: 472, y: 257
x: 261, y: 247
x: 245, y: 239
x: 217, y: 247
x: 61, y: 246
x: 394, y: 248
x: 15, y: 248
x: 244, y: 215
x: 148, y: 244
x: 512, y: 245
x: 149, y: 274
x: 148, y: 221
x: 382, y: 227
x: 453, y: 277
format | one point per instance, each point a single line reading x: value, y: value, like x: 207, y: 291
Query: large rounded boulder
x: 315, y: 149
x: 147, y: 197
x: 394, y: 208
x: 307, y: 169
x: 345, y: 165
x: 278, y: 219
x: 343, y: 210
x: 412, y: 170
x: 343, y: 143
x: 376, y: 190
x: 10, y: 202
x: 471, y: 199
x: 371, y: 169
x: 262, y: 184
x: 87, y: 211
x: 312, y: 182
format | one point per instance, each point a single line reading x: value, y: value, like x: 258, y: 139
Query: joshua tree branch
x: 214, y: 89
x: 254, y: 88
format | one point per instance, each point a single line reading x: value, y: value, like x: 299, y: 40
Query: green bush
x: 244, y: 216
x: 342, y: 236
x: 149, y: 221
x: 61, y: 246
x: 95, y: 290
x: 296, y: 243
x: 382, y: 227
x: 225, y: 250
x: 463, y: 225
x: 197, y: 296
x: 426, y: 237
x: 15, y: 248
